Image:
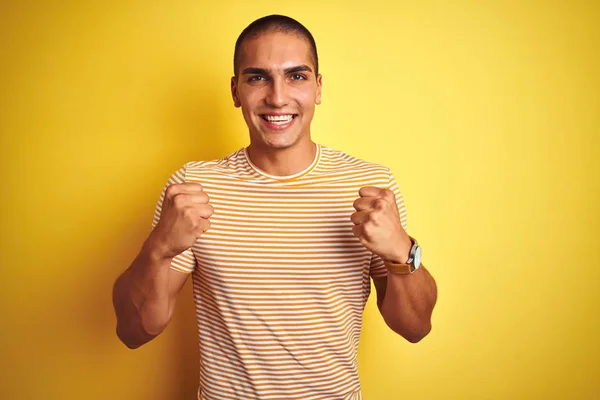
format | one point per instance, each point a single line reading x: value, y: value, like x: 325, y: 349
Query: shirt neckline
x: 280, y: 178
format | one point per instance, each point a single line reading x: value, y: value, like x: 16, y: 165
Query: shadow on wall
x: 201, y: 133
x: 193, y: 128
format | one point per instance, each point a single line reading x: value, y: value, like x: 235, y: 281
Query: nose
x: 277, y: 95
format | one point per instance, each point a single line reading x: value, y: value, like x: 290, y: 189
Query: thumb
x: 358, y: 232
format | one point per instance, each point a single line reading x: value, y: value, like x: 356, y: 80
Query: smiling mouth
x: 278, y: 119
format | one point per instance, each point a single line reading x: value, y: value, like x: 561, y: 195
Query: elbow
x: 131, y: 345
x: 137, y: 327
x: 416, y: 335
x: 128, y: 339
x: 134, y: 339
x: 413, y: 333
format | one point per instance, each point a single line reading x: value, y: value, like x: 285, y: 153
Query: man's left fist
x: 377, y: 224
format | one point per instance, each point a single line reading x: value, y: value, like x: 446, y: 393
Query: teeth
x: 279, y: 118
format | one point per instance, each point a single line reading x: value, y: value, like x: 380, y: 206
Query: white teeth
x: 279, y: 118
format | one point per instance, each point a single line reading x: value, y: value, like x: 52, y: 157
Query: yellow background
x: 488, y: 114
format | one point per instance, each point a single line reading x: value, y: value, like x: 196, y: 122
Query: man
x: 281, y: 239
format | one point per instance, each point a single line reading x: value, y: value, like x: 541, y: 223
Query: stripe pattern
x: 280, y: 281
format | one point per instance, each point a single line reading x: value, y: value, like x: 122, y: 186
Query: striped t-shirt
x: 280, y: 281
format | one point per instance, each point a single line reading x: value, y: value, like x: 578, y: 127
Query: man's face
x: 277, y: 89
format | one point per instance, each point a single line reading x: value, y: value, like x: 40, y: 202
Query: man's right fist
x: 183, y: 219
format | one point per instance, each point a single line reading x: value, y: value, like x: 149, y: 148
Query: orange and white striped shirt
x: 280, y: 281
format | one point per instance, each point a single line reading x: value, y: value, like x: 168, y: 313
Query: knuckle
x: 189, y: 213
x: 367, y: 230
x: 204, y: 210
x: 373, y: 217
x: 202, y: 225
x: 389, y: 194
x: 194, y: 186
x: 171, y: 190
x: 180, y: 200
x: 380, y: 204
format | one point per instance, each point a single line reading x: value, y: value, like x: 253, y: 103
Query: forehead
x: 275, y: 51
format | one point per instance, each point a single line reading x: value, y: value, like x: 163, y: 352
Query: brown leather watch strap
x: 398, y: 269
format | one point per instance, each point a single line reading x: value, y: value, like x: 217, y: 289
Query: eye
x: 257, y: 78
x: 298, y: 77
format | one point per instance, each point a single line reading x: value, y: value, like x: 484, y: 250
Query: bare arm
x: 144, y: 295
x: 406, y: 302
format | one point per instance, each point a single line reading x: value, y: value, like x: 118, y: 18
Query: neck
x: 283, y: 162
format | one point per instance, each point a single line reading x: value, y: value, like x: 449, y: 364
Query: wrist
x: 401, y: 254
x: 156, y: 250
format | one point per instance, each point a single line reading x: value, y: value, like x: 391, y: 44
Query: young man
x: 281, y: 239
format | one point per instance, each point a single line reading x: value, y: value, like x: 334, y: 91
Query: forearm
x: 408, y: 303
x: 141, y: 298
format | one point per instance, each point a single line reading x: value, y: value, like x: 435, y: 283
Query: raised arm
x: 144, y: 295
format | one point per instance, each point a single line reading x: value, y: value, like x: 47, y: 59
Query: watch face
x: 418, y: 257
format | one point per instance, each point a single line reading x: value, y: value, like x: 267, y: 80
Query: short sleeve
x: 186, y: 261
x: 377, y: 268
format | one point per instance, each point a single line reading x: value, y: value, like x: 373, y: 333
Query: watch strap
x: 403, y: 269
x: 398, y: 269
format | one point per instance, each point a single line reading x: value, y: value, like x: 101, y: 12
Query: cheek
x: 250, y: 98
x: 306, y: 99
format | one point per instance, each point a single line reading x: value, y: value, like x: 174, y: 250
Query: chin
x: 280, y: 141
x: 279, y: 144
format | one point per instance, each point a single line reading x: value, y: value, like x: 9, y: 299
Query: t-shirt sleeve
x: 377, y: 268
x: 186, y: 261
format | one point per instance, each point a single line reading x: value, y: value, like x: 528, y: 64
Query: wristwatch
x: 413, y: 263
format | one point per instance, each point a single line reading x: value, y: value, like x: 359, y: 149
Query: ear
x: 319, y: 87
x: 234, y: 94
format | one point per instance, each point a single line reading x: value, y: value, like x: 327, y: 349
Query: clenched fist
x: 377, y: 224
x: 183, y: 218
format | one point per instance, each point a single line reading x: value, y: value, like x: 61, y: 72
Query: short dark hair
x: 274, y: 24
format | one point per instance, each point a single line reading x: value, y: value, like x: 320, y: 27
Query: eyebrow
x: 290, y: 70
